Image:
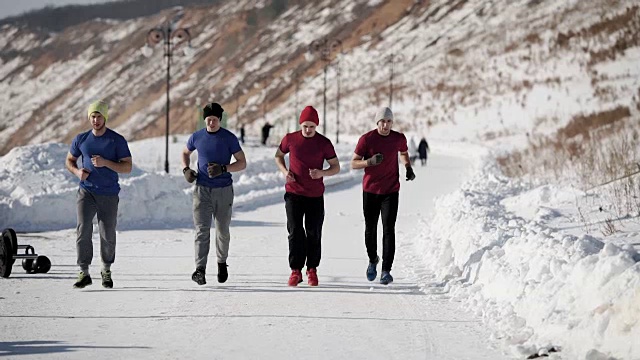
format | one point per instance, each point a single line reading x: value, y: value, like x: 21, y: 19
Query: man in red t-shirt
x: 307, y: 151
x: 377, y: 153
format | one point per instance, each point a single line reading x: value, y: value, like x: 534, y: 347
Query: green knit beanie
x: 99, y: 106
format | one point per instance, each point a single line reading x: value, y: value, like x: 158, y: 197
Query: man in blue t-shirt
x: 105, y: 154
x: 213, y: 193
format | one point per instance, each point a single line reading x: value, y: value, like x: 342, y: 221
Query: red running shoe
x: 295, y: 278
x: 312, y: 277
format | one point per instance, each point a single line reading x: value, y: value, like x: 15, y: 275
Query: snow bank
x: 37, y: 193
x: 539, y: 287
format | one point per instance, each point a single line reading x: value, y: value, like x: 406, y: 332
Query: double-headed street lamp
x: 172, y: 37
x: 391, y: 60
x: 325, y: 47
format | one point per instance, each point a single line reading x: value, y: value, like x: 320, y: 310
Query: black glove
x: 189, y: 175
x: 375, y: 160
x: 215, y: 169
x: 410, y: 174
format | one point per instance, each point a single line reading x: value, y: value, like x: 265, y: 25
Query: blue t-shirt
x: 111, y: 146
x: 213, y: 147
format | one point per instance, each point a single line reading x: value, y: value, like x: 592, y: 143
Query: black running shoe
x: 386, y: 278
x: 107, y: 282
x: 83, y: 280
x: 198, y: 276
x: 372, y: 272
x: 223, y: 275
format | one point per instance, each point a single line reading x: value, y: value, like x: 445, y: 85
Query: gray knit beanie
x: 383, y: 113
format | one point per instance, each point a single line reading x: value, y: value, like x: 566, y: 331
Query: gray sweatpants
x: 106, y: 207
x: 208, y: 202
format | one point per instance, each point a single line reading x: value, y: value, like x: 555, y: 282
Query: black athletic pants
x: 305, y: 216
x: 375, y: 205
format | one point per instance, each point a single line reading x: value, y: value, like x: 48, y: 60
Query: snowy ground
x: 468, y: 239
x: 156, y: 311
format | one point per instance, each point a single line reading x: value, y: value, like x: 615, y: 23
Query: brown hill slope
x: 476, y: 69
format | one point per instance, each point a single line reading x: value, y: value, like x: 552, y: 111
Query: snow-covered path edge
x: 538, y: 287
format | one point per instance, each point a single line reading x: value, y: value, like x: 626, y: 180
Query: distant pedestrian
x: 304, y: 200
x: 377, y: 153
x: 105, y: 154
x: 265, y: 132
x: 423, y: 149
x: 242, y: 133
x: 213, y: 193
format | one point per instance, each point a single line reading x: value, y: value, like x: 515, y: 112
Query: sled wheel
x: 14, y: 241
x: 6, y: 257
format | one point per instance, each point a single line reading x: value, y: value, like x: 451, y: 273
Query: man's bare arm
x: 240, y: 163
x: 357, y: 162
x: 280, y: 162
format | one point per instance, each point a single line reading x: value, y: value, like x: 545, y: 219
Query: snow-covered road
x: 155, y: 311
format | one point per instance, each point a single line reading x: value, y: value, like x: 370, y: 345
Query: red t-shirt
x: 305, y: 154
x: 384, y: 177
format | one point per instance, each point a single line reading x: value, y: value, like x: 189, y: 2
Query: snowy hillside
x: 474, y: 70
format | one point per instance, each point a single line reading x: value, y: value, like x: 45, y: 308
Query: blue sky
x: 16, y: 7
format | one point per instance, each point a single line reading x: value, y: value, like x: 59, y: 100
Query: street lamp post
x: 167, y: 33
x: 338, y: 104
x: 237, y: 93
x: 391, y: 60
x: 325, y: 47
x: 296, y: 76
x: 238, y: 108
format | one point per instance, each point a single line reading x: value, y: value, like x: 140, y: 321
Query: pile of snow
x: 37, y: 193
x: 540, y: 202
x: 493, y: 246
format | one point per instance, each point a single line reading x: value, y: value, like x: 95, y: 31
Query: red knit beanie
x: 309, y: 114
